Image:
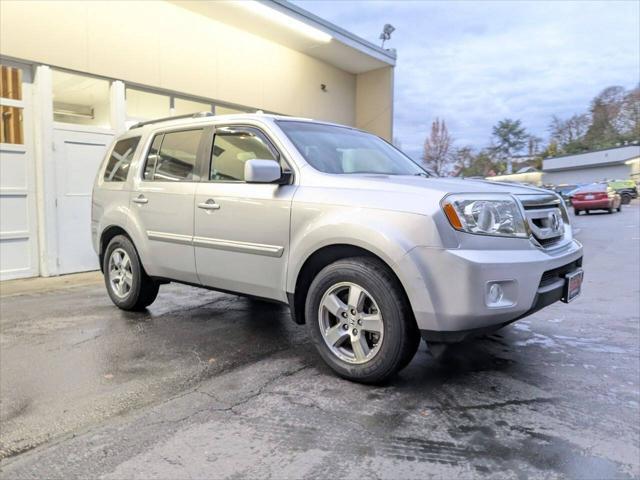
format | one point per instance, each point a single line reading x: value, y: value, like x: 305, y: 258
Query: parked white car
x: 365, y: 247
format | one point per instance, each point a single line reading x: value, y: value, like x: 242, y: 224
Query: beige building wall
x: 374, y: 102
x: 161, y: 45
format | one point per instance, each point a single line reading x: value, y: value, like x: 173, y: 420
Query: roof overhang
x: 289, y: 25
x: 598, y: 158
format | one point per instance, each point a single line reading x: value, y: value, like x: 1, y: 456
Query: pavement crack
x: 262, y: 389
x: 491, y: 406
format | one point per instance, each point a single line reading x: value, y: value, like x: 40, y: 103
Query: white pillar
x: 118, y: 107
x: 45, y: 171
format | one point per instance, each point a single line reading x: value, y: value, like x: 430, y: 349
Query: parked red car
x: 597, y: 196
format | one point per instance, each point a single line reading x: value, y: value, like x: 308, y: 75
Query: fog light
x: 495, y: 294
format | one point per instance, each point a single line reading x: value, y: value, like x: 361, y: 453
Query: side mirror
x: 261, y: 171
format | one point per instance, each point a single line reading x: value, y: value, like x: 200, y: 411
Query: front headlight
x: 491, y: 214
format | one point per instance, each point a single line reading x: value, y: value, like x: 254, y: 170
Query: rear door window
x: 120, y: 160
x: 172, y: 156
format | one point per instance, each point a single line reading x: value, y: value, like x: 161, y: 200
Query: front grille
x: 551, y: 276
x: 549, y: 242
x: 545, y: 219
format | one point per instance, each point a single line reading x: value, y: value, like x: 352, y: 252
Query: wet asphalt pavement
x: 208, y: 385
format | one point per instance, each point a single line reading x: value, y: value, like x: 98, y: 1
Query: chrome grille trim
x: 541, y: 212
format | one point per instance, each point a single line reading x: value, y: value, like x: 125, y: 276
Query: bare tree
x: 533, y: 145
x: 438, y: 151
x: 564, y: 132
x: 628, y: 119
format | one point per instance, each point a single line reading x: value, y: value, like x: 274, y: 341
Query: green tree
x: 482, y: 165
x: 509, y: 137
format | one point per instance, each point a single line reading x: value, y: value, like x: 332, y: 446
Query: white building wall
x: 587, y: 175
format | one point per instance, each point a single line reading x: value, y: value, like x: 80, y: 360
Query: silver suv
x: 364, y: 246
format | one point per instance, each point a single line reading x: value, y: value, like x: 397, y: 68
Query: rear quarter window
x: 120, y: 160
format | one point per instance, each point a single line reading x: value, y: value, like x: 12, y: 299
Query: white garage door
x: 18, y: 237
x: 77, y: 154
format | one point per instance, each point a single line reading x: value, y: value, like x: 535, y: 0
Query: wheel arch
x: 106, y: 236
x: 319, y: 259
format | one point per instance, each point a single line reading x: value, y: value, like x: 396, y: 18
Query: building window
x: 175, y: 158
x: 11, y: 128
x: 234, y: 146
x: 120, y: 160
x: 143, y: 105
x: 81, y: 100
x: 11, y: 83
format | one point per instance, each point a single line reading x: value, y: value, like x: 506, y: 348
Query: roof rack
x: 166, y: 119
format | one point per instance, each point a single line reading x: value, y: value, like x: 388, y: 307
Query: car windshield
x: 342, y: 150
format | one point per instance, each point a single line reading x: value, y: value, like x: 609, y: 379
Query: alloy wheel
x: 351, y: 323
x: 120, y: 273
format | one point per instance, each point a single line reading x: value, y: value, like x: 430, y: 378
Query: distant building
x: 618, y: 163
x: 529, y: 175
x: 609, y: 164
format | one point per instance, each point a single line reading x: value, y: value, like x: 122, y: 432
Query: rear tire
x: 576, y: 212
x: 385, y: 341
x: 588, y: 212
x: 625, y: 199
x: 610, y: 210
x: 619, y: 209
x: 128, y: 285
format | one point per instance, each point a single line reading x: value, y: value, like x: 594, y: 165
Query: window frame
x: 201, y: 151
x: 131, y: 161
x: 287, y: 173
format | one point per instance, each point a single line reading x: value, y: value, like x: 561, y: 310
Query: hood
x: 415, y: 184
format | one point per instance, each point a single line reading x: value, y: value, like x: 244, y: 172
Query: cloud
x: 474, y: 63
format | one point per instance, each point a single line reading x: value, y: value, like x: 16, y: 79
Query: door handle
x: 209, y: 205
x: 141, y: 199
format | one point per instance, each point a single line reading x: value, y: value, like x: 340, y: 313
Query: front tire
x: 576, y: 212
x: 129, y: 287
x: 360, y: 321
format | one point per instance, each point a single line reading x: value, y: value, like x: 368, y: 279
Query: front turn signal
x: 452, y: 215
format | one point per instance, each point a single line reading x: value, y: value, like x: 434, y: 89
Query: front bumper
x: 448, y: 289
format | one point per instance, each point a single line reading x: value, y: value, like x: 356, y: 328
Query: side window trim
x: 206, y: 174
x: 146, y: 158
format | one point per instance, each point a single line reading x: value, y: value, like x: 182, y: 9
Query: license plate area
x: 572, y: 285
x: 589, y: 197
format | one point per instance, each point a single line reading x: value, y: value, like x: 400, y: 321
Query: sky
x: 473, y: 63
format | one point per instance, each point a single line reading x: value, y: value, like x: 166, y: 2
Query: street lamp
x: 387, y: 30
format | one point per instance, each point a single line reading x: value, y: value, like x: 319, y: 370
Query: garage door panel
x: 14, y: 214
x: 13, y: 170
x: 15, y: 256
x: 18, y: 242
